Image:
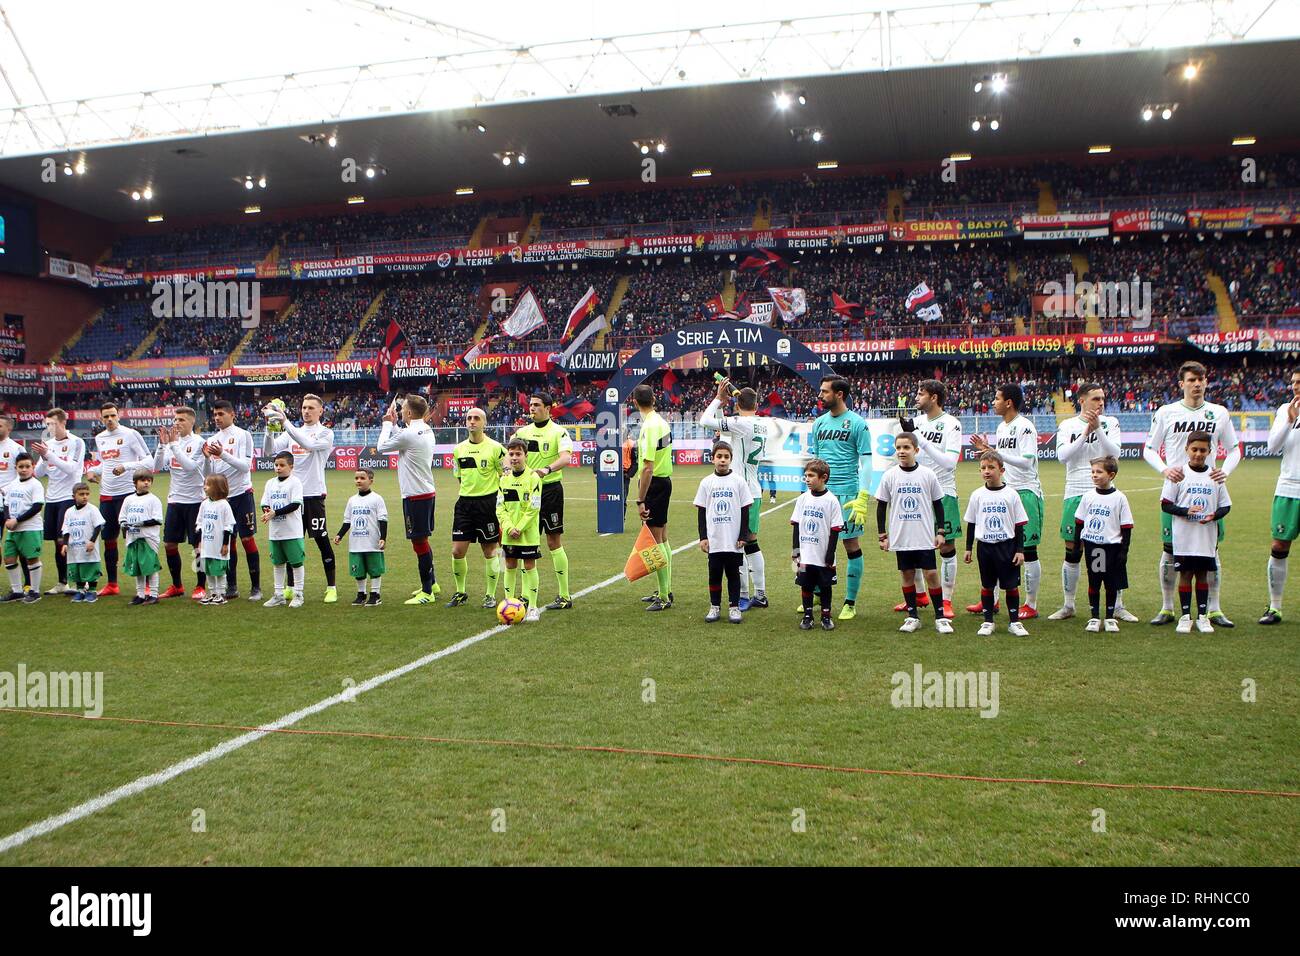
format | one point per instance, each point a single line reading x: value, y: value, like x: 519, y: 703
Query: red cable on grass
x: 636, y: 752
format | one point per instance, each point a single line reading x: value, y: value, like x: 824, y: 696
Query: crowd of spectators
x: 613, y: 215
x: 439, y: 314
x: 323, y: 318
x: 660, y: 298
x: 1262, y: 278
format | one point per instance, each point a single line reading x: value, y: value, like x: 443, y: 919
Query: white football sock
x: 1069, y: 581
x: 299, y: 580
x: 35, y: 571
x: 1033, y: 577
x: 278, y: 575
x: 141, y: 582
x: 1276, y: 581
x: 1168, y: 581
x: 744, y: 576
x: 374, y: 585
x: 949, y: 576
x: 153, y: 584
x: 1216, y: 578
x: 15, y: 578
x: 758, y: 568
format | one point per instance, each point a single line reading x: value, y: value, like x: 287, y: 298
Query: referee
x: 655, y: 487
x: 476, y: 465
x: 550, y: 450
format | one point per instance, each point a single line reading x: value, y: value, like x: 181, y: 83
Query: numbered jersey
x: 944, y: 432
x: 1017, y: 443
x: 747, y: 436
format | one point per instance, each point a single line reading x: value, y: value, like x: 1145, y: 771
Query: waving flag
x: 672, y: 388
x: 930, y: 313
x: 762, y: 262
x: 841, y: 306
x: 788, y: 303
x: 921, y: 295
x: 395, y: 343
x: 581, y: 313
x: 526, y: 317
x: 466, y: 358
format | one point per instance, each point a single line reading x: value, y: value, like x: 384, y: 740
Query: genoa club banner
x: 1247, y: 340
x: 1066, y: 226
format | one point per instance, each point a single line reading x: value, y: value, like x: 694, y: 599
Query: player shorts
x: 951, y: 529
x: 1034, y: 509
x: 53, y: 513
x: 552, y: 515
x: 245, y: 515
x: 916, y: 560
x: 474, y: 518
x: 84, y: 572
x: 24, y: 544
x: 1106, y: 564
x: 110, y: 506
x: 1285, y: 520
x: 1067, y: 518
x: 141, y: 559
x: 657, y: 497
x: 1167, y: 529
x: 1193, y: 563
x: 216, y: 567
x: 366, y: 564
x: 813, y: 576
x: 755, y: 516
x: 996, y: 570
x: 418, y: 515
x: 523, y: 552
x: 313, y: 516
x: 290, y: 551
x: 851, y: 528
x: 179, y: 524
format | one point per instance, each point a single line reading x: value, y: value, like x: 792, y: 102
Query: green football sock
x: 531, y: 580
x: 509, y: 582
x: 492, y: 572
x: 561, y: 561
x: 459, y: 571
x: 665, y: 574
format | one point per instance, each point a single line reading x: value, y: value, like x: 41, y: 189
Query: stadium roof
x: 894, y: 87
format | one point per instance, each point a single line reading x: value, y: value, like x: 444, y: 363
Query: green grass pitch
x: 1144, y: 706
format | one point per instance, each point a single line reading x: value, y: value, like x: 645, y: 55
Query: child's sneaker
x: 1112, y: 626
x: 910, y: 625
x: 359, y: 601
x: 276, y: 601
x: 534, y: 615
x: 297, y: 600
x: 1184, y: 625
x: 1093, y: 626
x: 714, y: 615
x: 216, y: 598
x: 78, y: 596
x: 375, y: 600
x: 987, y: 628
x: 943, y: 625
x: 827, y: 623
x: 136, y: 601
x: 1204, y: 626
x: 807, y: 623
x: 734, y: 615
x: 90, y: 598
x: 151, y: 599
x: 1017, y: 629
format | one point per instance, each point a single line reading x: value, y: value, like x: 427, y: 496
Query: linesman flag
x: 395, y: 343
x: 647, y: 556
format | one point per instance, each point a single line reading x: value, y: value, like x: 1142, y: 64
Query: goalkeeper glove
x: 860, y: 508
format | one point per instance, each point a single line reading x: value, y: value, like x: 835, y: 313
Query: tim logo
x: 657, y: 350
x: 782, y: 346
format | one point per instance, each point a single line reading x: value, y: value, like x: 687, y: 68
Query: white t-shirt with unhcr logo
x: 995, y: 513
x: 722, y: 497
x: 910, y: 495
x: 817, y: 516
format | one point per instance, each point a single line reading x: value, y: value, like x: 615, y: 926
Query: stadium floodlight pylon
x: 474, y: 75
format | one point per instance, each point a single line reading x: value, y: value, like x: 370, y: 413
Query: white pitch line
x: 149, y: 781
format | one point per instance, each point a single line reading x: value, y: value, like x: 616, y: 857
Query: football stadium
x: 865, y: 437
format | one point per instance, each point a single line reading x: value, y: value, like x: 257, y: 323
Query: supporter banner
x: 1247, y: 340
x: 151, y: 417
x: 592, y: 362
x: 953, y: 230
x: 108, y: 277
x: 925, y: 349
x: 827, y: 237
x: 424, y: 366
x: 163, y: 368
x: 217, y: 378
x: 20, y: 387
x: 13, y: 343
x: 460, y: 405
x: 1275, y: 216
x: 1234, y: 219
x: 67, y: 269
x: 1066, y: 226
x: 332, y: 268
x: 1125, y: 343
x: 284, y: 374
x: 337, y: 371
x: 1149, y: 220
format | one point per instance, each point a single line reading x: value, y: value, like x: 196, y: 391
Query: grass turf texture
x: 1145, y: 705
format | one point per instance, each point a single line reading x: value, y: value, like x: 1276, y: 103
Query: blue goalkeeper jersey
x: 844, y: 442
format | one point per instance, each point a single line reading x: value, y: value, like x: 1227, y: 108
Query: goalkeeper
x: 841, y: 438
